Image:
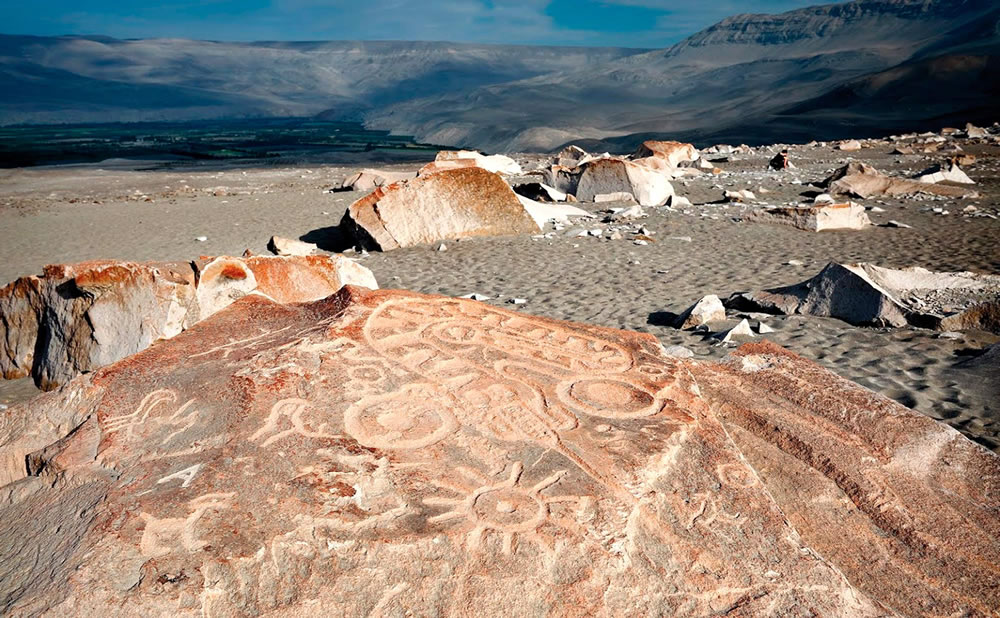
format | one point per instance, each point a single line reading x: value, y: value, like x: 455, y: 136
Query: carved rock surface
x: 78, y: 317
x: 449, y: 204
x: 869, y: 295
x: 649, y: 187
x: 388, y: 453
x: 849, y: 216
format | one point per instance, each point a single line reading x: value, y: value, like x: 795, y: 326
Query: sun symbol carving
x: 509, y: 507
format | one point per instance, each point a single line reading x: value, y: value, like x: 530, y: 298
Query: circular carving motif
x: 508, y: 509
x: 609, y: 398
x: 457, y: 332
x: 736, y: 475
x: 408, y: 419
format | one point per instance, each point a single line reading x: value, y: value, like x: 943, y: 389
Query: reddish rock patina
x: 468, y: 201
x: 389, y: 453
x: 78, y: 317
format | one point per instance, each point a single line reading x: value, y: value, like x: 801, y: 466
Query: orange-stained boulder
x: 79, y: 317
x: 389, y: 453
x: 674, y: 153
x: 449, y: 204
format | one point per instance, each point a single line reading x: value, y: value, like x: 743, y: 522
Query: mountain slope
x: 83, y: 79
x: 822, y: 72
x: 735, y: 78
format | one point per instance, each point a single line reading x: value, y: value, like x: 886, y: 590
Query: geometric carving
x: 292, y: 410
x: 507, y: 507
x: 609, y: 398
x: 153, y: 542
x: 415, y: 416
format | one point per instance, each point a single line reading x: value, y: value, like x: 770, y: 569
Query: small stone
x: 678, y: 351
x: 764, y: 329
x: 517, y: 301
x: 476, y: 296
x: 442, y: 247
x: 289, y: 246
x: 898, y: 224
x: 795, y: 263
x: 708, y: 309
x: 201, y: 238
x: 741, y: 330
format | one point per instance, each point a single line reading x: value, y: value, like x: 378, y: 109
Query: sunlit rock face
x: 384, y: 452
x: 76, y: 318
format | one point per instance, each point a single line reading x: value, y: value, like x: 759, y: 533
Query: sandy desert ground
x: 73, y: 213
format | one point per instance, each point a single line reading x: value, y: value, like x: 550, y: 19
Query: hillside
x: 817, y: 73
x: 734, y: 79
x: 99, y: 79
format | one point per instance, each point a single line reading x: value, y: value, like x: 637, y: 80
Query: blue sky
x: 630, y: 23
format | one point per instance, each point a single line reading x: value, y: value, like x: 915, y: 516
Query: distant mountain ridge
x: 821, y: 72
x: 743, y: 79
x: 95, y: 79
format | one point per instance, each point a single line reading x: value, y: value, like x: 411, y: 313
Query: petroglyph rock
x: 869, y: 295
x: 388, y: 453
x: 79, y: 317
x: 450, y: 204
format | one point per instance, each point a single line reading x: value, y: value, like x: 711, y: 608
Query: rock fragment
x: 707, y: 310
x: 288, y: 246
x: 868, y: 295
x: 649, y: 187
x: 814, y: 218
x: 76, y: 318
x: 450, y: 204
